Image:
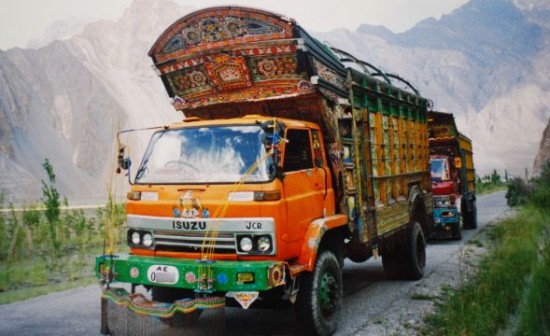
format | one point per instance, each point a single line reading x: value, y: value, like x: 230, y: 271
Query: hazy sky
x: 23, y: 20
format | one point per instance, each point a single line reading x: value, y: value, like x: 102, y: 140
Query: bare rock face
x: 543, y: 156
x: 66, y: 100
x: 487, y: 62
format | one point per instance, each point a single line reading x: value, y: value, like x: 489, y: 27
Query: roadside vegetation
x: 510, y: 293
x: 44, y: 248
x: 491, y: 183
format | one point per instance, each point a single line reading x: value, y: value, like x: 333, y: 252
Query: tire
x: 457, y: 231
x: 415, y: 253
x: 321, y: 296
x: 470, y: 217
x: 473, y: 215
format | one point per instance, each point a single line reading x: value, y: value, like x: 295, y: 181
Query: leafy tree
x: 495, y: 178
x: 540, y: 196
x: 536, y: 191
x: 51, y: 201
x: 518, y: 192
x: 15, y: 236
x: 36, y: 229
x: 50, y: 195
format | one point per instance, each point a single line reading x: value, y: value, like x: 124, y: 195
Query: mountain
x: 65, y: 101
x: 486, y: 62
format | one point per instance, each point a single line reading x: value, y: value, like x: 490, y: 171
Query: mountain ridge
x: 68, y: 111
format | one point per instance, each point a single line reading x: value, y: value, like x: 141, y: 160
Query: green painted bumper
x: 191, y: 274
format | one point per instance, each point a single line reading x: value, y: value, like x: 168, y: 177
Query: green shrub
x: 517, y: 193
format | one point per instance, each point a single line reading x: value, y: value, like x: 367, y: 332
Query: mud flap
x: 104, y: 317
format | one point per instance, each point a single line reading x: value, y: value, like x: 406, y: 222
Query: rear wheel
x: 407, y: 260
x: 470, y: 217
x: 321, y: 295
x: 415, y: 253
x: 473, y: 215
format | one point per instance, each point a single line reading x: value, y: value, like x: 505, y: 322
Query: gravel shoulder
x: 450, y: 266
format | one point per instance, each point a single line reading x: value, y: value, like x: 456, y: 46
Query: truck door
x: 304, y: 184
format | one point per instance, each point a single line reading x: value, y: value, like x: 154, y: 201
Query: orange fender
x: 312, y: 239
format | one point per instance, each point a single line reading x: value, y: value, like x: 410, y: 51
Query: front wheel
x: 457, y: 230
x: 321, y: 295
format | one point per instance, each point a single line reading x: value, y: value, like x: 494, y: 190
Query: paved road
x: 372, y: 304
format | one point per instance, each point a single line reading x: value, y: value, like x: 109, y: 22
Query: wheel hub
x: 328, y: 294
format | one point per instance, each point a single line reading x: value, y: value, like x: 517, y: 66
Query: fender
x: 414, y: 194
x: 312, y: 239
x: 424, y: 214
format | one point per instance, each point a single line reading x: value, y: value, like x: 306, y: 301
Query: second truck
x: 291, y: 157
x: 453, y: 177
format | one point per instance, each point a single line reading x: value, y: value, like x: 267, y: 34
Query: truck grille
x: 193, y: 242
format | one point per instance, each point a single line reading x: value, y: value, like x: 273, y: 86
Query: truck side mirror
x: 458, y: 162
x: 124, y: 161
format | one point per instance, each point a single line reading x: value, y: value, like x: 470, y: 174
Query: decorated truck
x: 290, y: 157
x: 453, y: 177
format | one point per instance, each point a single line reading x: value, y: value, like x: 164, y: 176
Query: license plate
x: 163, y: 274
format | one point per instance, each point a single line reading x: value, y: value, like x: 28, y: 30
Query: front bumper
x: 445, y: 219
x: 201, y: 276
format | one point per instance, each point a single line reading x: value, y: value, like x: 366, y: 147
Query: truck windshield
x: 220, y: 154
x: 440, y: 170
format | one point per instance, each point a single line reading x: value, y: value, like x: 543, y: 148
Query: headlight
x: 147, y: 240
x: 135, y: 238
x: 245, y: 244
x: 441, y: 202
x: 264, y: 243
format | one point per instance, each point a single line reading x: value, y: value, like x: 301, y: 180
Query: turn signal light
x: 273, y: 195
x: 134, y: 195
x: 245, y: 278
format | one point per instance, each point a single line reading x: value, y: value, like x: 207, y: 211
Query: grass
x: 534, y: 317
x: 422, y: 297
x: 484, y: 304
x: 31, y: 277
x: 475, y: 242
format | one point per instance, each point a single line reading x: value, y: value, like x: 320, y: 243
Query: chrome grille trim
x: 194, y: 241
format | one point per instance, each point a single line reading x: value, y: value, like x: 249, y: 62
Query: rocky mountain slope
x: 486, y: 62
x: 66, y: 100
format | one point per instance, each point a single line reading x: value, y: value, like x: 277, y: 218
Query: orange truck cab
x: 291, y: 157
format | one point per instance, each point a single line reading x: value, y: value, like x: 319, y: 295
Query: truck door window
x: 297, y: 151
x: 317, y: 150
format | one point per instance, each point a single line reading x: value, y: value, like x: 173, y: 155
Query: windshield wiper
x: 141, y: 170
